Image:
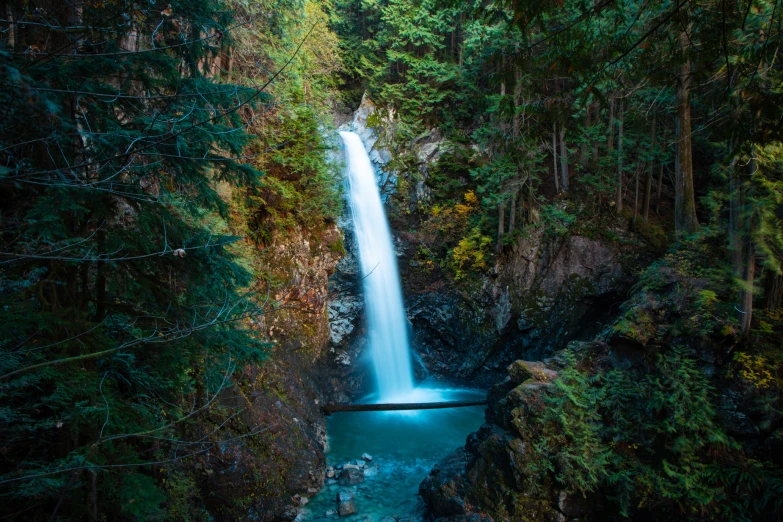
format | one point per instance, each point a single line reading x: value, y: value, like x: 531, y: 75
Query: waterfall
x: 386, y: 323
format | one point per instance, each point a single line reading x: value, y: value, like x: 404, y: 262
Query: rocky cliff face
x: 495, y: 473
x: 344, y: 367
x: 276, y: 458
x: 542, y: 293
x: 549, y: 433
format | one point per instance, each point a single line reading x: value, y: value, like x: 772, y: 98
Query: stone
x: 522, y: 371
x: 367, y: 457
x: 330, y: 473
x: 502, y: 311
x: 345, y: 503
x: 625, y: 353
x: 519, y: 372
x: 360, y: 463
x: 331, y: 512
x: 350, y: 476
x: 370, y: 471
x: 572, y: 505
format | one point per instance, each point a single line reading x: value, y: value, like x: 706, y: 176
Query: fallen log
x: 333, y: 408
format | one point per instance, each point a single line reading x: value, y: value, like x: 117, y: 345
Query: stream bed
x: 404, y: 446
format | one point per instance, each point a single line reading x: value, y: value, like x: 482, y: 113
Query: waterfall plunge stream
x: 386, y: 322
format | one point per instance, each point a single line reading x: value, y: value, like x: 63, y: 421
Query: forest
x: 172, y: 210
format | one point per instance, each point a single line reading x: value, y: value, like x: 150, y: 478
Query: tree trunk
x: 735, y: 221
x: 100, y: 279
x: 744, y: 221
x: 512, y: 214
x: 501, y: 225
x: 746, y: 293
x: 773, y: 292
x: 610, y: 138
x: 620, y: 159
x: 658, y: 190
x: 554, y: 156
x: 636, y: 199
x: 517, y: 122
x: 585, y: 133
x: 596, y: 119
x: 685, y: 211
x: 648, y: 177
x: 563, y: 159
x: 331, y: 408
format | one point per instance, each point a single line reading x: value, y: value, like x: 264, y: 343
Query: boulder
x: 345, y: 503
x: 350, y: 476
x: 367, y: 457
x: 522, y: 371
x: 573, y: 504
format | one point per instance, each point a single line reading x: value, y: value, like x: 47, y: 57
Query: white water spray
x: 388, y: 334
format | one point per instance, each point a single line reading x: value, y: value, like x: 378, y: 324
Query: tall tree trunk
x: 563, y: 159
x: 746, y: 293
x: 512, y: 214
x: 648, y: 178
x: 554, y: 156
x: 620, y: 158
x: 773, y: 291
x: 685, y: 211
x: 583, y: 146
x: 596, y: 119
x: 744, y: 220
x: 636, y: 198
x: 658, y: 190
x: 610, y: 137
x: 677, y: 173
x: 517, y: 122
x: 501, y: 225
x: 735, y: 220
x: 100, y: 280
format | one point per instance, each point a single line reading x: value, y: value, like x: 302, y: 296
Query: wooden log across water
x: 333, y: 408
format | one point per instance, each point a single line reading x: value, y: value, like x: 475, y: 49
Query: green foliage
x: 300, y: 187
x: 556, y: 220
x: 570, y: 446
x: 651, y: 440
x: 125, y: 301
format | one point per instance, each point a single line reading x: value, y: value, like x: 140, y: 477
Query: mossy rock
x: 522, y: 371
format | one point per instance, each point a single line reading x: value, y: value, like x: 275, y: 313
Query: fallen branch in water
x: 332, y: 408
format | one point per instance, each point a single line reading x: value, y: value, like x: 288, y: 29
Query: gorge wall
x: 267, y: 477
x: 542, y: 292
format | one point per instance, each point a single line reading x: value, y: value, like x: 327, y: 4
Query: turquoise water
x: 404, y: 447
